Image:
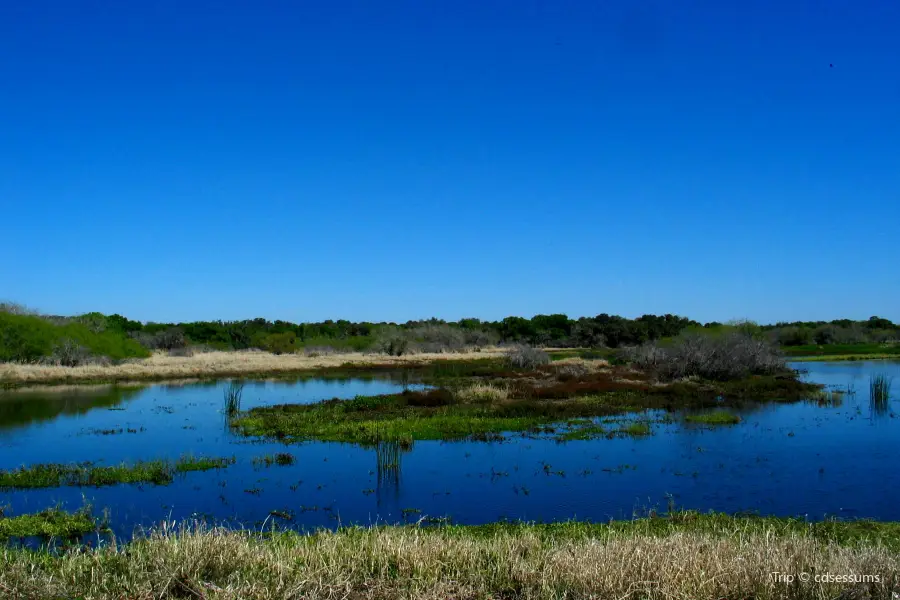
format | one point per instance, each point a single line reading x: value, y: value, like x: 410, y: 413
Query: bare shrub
x: 185, y: 352
x: 163, y: 340
x: 525, y: 357
x: 69, y: 353
x: 15, y: 308
x: 723, y: 357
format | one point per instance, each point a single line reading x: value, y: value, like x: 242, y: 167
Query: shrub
x: 182, y: 352
x: 732, y: 355
x: 526, y: 357
x: 169, y: 339
x: 280, y: 343
x: 68, y: 353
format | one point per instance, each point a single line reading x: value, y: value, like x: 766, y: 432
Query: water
x: 782, y: 459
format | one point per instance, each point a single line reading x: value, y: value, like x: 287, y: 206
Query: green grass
x: 716, y: 417
x: 157, y: 472
x: 842, y: 352
x: 51, y: 523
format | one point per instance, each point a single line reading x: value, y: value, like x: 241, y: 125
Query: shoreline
x: 220, y: 365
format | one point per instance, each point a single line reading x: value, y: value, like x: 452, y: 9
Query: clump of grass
x: 51, y: 523
x: 482, y: 392
x: 716, y: 417
x: 686, y: 555
x: 158, y: 472
x: 636, y: 429
x: 233, y: 394
x: 587, y: 432
x: 880, y: 387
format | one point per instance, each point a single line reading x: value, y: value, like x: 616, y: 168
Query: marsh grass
x: 880, y: 387
x: 716, y: 417
x: 233, y: 394
x: 50, y: 523
x: 683, y: 555
x: 157, y: 472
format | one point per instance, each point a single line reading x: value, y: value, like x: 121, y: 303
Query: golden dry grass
x: 389, y: 563
x: 482, y: 392
x: 216, y: 364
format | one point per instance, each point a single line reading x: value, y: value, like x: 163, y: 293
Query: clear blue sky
x: 173, y: 160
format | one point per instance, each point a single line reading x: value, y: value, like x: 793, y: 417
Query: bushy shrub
x: 731, y: 355
x: 29, y: 338
x: 525, y: 357
x: 280, y: 343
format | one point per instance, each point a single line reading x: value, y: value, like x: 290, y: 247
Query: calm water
x: 794, y: 459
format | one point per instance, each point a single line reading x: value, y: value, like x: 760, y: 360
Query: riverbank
x: 209, y: 365
x: 684, y: 556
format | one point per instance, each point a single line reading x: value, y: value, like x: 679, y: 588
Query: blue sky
x: 397, y: 160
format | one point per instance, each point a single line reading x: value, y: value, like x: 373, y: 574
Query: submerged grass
x: 716, y: 417
x: 685, y: 555
x: 158, y: 472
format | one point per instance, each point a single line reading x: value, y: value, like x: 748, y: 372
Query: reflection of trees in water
x: 388, y: 456
x: 20, y: 408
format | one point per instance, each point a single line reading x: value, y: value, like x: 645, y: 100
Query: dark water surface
x: 782, y: 459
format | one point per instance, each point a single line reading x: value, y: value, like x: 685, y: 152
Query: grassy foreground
x: 684, y: 556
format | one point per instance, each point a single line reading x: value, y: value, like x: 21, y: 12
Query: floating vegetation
x: 158, y: 472
x: 716, y: 417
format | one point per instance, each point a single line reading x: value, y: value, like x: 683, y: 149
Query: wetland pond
x: 820, y: 459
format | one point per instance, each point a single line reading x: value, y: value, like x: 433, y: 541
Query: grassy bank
x: 684, y: 556
x: 157, y: 472
x: 843, y: 352
x: 209, y: 365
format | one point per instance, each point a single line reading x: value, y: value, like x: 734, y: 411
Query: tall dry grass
x: 212, y: 364
x: 389, y: 563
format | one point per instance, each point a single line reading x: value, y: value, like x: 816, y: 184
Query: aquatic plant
x: 716, y: 417
x: 158, y: 472
x: 233, y: 394
x: 880, y: 387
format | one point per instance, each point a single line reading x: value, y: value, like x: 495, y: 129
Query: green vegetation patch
x: 29, y: 337
x: 157, y: 472
x: 716, y: 417
x: 51, y: 523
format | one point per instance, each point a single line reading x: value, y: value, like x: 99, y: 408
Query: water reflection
x: 28, y: 406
